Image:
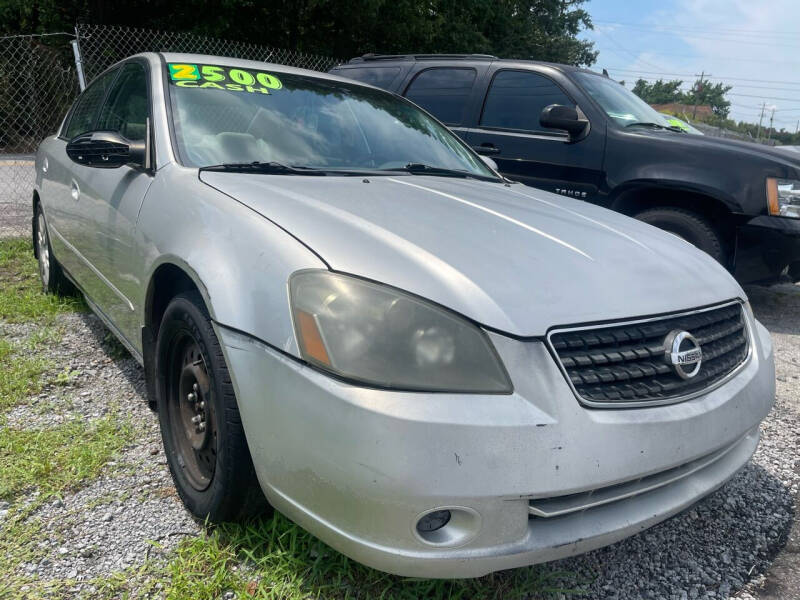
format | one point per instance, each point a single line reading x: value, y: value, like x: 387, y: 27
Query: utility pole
x: 797, y: 127
x: 772, y: 116
x: 761, y: 118
x: 698, y: 88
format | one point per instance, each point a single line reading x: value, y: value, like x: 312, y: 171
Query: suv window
x: 516, y: 98
x: 87, y: 105
x: 127, y: 107
x: 443, y: 91
x: 381, y: 77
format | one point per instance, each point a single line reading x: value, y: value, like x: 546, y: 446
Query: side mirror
x: 488, y: 162
x: 557, y: 116
x: 106, y: 150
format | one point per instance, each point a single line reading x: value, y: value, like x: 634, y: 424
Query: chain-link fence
x: 39, y: 81
x: 37, y: 86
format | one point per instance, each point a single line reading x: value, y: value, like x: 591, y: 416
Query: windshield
x: 224, y: 114
x: 619, y: 103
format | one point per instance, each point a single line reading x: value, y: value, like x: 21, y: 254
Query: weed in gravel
x: 21, y: 297
x: 274, y: 558
x: 57, y: 459
x: 21, y: 374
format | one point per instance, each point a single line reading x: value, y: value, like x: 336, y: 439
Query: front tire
x: 692, y: 227
x: 50, y: 272
x: 201, y: 427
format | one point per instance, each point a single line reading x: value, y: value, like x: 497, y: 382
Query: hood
x: 510, y: 257
x: 708, y: 142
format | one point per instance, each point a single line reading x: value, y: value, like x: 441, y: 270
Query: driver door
x: 112, y: 198
x: 510, y: 133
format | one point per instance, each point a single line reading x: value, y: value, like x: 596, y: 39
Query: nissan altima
x: 344, y: 313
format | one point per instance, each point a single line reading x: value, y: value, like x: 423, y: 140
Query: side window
x: 128, y: 106
x: 443, y: 92
x: 381, y: 77
x: 516, y: 98
x: 87, y: 106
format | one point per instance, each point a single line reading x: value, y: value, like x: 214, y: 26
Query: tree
x: 708, y: 94
x: 703, y: 93
x: 660, y: 92
x: 529, y: 29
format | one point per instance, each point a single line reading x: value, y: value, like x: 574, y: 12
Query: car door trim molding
x: 523, y: 134
x: 94, y: 269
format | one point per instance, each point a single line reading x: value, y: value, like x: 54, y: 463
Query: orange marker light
x: 311, y: 339
x: 772, y: 196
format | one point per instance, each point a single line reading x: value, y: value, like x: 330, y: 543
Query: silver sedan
x: 344, y: 313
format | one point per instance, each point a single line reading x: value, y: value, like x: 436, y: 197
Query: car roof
x: 455, y: 58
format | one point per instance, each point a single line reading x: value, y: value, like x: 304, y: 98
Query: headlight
x: 381, y: 336
x: 783, y: 197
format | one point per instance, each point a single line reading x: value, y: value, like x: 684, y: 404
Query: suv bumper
x: 765, y: 247
x: 358, y: 467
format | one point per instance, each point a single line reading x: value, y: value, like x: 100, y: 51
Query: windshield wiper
x: 269, y: 168
x: 656, y: 126
x: 423, y: 169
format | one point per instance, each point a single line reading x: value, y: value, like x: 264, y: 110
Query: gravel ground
x: 727, y: 546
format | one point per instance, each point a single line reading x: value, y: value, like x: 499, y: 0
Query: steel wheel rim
x: 43, y: 249
x: 191, y: 411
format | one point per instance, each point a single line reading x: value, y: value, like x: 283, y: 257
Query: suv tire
x: 690, y: 226
x: 201, y: 428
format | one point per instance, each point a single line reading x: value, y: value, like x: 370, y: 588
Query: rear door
x: 508, y: 130
x: 449, y: 92
x: 70, y: 235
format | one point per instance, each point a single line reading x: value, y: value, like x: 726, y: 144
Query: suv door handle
x: 75, y: 192
x: 486, y: 149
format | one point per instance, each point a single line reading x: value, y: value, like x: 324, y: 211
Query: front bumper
x: 357, y: 467
x: 765, y: 246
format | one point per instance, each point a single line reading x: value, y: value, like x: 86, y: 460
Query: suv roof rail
x: 371, y: 57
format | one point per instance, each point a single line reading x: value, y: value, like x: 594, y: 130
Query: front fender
x: 239, y: 261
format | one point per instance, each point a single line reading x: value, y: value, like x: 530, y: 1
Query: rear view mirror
x: 106, y: 150
x: 557, y: 116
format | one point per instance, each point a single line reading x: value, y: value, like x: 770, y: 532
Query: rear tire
x: 690, y: 226
x: 50, y: 272
x: 201, y: 427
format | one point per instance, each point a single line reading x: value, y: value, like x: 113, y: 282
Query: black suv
x: 576, y: 133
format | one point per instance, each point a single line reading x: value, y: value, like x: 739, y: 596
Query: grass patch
x: 276, y: 559
x: 55, y: 460
x: 21, y: 297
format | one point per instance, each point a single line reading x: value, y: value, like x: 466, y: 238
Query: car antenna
x: 605, y: 73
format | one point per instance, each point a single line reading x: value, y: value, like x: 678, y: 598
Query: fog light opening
x: 446, y: 526
x: 433, y: 521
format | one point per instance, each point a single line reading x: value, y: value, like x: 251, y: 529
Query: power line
x: 703, y: 29
x: 622, y: 70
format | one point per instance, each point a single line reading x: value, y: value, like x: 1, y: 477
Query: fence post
x: 76, y: 50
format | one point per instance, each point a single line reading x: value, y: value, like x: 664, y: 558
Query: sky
x: 752, y: 45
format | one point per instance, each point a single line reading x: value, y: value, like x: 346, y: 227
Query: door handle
x: 75, y: 192
x: 486, y: 149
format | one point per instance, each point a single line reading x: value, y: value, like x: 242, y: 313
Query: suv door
x: 111, y: 199
x: 508, y: 130
x: 61, y: 192
x: 449, y: 93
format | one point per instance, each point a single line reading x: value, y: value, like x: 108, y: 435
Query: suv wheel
x: 693, y: 228
x: 50, y: 273
x: 201, y: 428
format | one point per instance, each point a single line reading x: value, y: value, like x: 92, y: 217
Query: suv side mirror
x: 557, y: 116
x: 106, y: 150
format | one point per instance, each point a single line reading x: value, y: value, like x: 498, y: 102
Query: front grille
x: 625, y: 363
